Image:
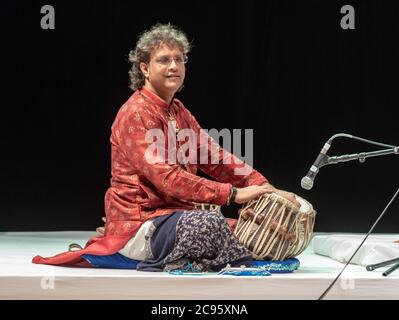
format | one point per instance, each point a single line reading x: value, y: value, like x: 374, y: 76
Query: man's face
x: 165, y: 72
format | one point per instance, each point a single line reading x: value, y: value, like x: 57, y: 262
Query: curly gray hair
x: 150, y: 40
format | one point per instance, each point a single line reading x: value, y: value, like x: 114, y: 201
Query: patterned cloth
x: 204, y: 239
x: 160, y: 243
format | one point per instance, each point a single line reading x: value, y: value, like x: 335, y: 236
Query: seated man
x: 151, y: 212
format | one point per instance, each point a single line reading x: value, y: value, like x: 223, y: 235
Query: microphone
x: 321, y: 160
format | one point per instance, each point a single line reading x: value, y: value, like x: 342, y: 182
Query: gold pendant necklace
x: 172, y: 119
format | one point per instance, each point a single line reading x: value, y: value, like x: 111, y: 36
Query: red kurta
x: 141, y: 190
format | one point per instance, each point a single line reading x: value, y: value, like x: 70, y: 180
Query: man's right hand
x: 252, y: 192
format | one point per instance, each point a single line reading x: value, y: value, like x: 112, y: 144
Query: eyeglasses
x: 166, y: 61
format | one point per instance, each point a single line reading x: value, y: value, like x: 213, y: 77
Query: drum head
x: 306, y: 207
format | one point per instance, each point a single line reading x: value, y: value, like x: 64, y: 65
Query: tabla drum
x: 272, y: 228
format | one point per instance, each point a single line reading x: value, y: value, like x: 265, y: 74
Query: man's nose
x: 173, y: 64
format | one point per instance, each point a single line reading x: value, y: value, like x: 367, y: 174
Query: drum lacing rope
x: 250, y: 223
x: 262, y: 228
x: 269, y: 246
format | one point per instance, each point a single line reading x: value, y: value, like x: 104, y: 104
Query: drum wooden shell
x: 273, y: 229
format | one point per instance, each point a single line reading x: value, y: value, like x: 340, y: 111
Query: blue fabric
x: 189, y: 269
x: 114, y: 261
x: 240, y: 272
x: 118, y: 261
x: 255, y: 268
x: 285, y: 266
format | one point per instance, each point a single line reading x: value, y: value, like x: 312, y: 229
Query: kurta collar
x: 154, y: 98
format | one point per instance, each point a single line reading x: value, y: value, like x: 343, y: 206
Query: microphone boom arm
x: 362, y: 156
x: 350, y: 136
x: 323, y: 159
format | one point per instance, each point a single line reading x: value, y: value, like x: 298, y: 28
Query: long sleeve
x: 170, y: 179
x: 221, y: 164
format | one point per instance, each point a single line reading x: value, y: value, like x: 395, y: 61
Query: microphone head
x: 306, y: 183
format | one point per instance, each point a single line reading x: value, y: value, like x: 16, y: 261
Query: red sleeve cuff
x: 224, y: 192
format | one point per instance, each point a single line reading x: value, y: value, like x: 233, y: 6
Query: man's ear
x: 144, y: 69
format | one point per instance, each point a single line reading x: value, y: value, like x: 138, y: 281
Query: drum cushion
x: 285, y: 266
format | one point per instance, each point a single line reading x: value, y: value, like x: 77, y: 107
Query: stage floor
x: 20, y: 279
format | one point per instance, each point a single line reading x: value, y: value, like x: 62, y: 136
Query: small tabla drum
x: 272, y: 228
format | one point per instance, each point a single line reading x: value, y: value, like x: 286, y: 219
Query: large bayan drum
x: 272, y: 228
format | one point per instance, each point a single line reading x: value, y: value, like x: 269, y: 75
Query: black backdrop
x: 284, y: 68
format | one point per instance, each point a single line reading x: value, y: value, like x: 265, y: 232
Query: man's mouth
x: 175, y: 76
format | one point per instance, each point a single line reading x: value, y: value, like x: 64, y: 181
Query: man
x: 150, y: 207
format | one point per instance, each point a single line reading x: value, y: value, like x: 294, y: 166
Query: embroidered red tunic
x: 142, y: 189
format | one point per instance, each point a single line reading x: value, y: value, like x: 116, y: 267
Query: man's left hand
x: 285, y: 194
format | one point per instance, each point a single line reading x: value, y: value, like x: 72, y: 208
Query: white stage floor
x: 20, y: 279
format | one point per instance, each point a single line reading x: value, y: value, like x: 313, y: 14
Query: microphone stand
x: 362, y: 158
x: 395, y: 266
x: 326, y: 160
